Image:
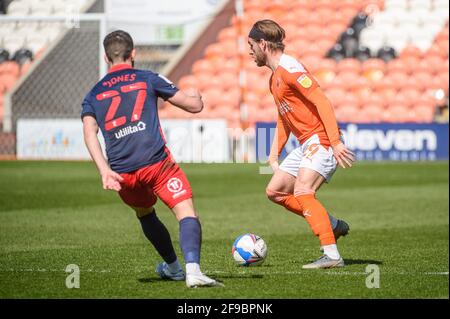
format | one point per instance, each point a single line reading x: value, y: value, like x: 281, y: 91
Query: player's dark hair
x: 118, y: 46
x: 270, y: 31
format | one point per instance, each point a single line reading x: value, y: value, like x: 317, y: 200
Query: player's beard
x: 260, y: 59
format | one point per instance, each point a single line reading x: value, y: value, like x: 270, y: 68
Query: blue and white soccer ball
x: 249, y: 250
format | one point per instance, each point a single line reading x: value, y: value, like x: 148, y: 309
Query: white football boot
x: 201, y: 280
x: 325, y: 262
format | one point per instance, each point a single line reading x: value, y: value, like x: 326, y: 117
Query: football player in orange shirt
x: 305, y: 111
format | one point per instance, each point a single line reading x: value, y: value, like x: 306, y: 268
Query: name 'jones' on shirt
x: 120, y: 78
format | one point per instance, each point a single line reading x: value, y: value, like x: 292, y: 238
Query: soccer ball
x: 249, y: 250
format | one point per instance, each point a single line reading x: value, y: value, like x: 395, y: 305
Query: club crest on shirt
x: 305, y: 81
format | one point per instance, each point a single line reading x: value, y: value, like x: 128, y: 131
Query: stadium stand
x: 377, y: 60
x: 22, y: 42
x: 373, y: 64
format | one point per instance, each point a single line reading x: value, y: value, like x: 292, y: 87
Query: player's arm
x: 343, y: 155
x: 279, y: 140
x: 110, y: 179
x: 190, y: 101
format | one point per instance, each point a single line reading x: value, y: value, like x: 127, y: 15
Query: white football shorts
x: 311, y: 155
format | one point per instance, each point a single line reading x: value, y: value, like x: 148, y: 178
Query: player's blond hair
x: 273, y: 32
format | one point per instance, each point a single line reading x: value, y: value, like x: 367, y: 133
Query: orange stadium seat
x: 349, y: 99
x: 374, y: 98
x: 423, y: 113
x: 361, y: 87
x: 411, y: 51
x: 395, y: 66
x: 396, y: 113
x: 398, y: 79
x: 385, y: 88
x: 8, y: 81
x: 347, y: 113
x: 345, y: 80
x: 204, y: 80
x: 372, y: 113
x: 349, y: 66
x: 228, y: 33
x: 187, y: 82
x: 202, y: 65
x: 434, y: 63
x: 213, y: 50
x: 326, y: 72
x: 229, y: 49
x: 336, y: 95
x: 410, y: 63
x: 410, y: 95
x: 228, y: 80
x: 373, y: 69
x: 10, y: 68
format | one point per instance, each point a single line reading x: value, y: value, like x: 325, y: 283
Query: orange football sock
x: 286, y: 200
x: 316, y: 216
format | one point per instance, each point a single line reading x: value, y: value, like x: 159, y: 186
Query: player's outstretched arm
x: 110, y: 179
x: 189, y: 100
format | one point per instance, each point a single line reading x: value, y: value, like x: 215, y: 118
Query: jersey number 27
x: 110, y: 121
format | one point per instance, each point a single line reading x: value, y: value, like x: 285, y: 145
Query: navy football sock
x: 190, y: 239
x: 159, y: 236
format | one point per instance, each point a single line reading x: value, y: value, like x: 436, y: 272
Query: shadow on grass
x: 362, y: 262
x: 240, y: 276
x: 150, y: 280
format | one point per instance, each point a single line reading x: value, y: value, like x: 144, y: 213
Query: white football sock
x: 175, y: 266
x: 333, y: 221
x: 331, y: 251
x: 193, y: 269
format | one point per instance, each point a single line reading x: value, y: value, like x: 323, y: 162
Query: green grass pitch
x: 53, y: 214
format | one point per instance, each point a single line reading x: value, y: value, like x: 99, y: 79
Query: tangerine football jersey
x: 303, y: 108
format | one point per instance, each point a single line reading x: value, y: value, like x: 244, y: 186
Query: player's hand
x: 343, y: 155
x: 111, y: 180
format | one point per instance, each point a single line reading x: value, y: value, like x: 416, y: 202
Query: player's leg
x: 317, y: 166
x: 174, y: 190
x: 280, y: 190
x: 141, y: 200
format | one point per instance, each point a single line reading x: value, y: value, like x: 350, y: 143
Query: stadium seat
x: 22, y: 56
x: 336, y: 52
x: 336, y: 95
x: 10, y: 68
x: 395, y: 66
x: 371, y: 113
x: 363, y: 53
x: 347, y: 113
x: 326, y: 71
x: 8, y: 80
x: 411, y: 51
x: 4, y: 55
x: 349, y: 42
x: 18, y: 8
x: 372, y: 38
x: 349, y: 65
x: 361, y: 87
x: 398, y: 79
x: 228, y: 33
x: 420, y: 4
x: 386, y: 53
x: 373, y: 69
x: 423, y: 113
